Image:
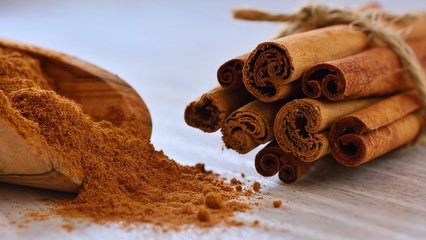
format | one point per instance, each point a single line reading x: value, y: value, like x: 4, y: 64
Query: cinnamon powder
x: 124, y: 178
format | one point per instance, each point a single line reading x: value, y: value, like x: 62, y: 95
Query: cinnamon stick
x: 312, y: 87
x: 276, y: 63
x: 377, y: 129
x: 230, y: 74
x: 272, y: 160
x: 250, y: 126
x: 292, y: 168
x: 373, y: 72
x: 267, y: 161
x: 312, y: 84
x: 209, y: 111
x: 416, y: 30
x: 301, y: 125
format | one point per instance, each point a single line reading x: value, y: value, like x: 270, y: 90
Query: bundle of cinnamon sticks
x: 315, y: 93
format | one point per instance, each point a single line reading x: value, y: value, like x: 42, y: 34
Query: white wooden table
x: 169, y: 51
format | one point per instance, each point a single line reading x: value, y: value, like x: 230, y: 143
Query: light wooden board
x: 169, y: 51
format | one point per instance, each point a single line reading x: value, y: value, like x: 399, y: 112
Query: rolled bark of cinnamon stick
x: 250, y: 126
x: 375, y: 130
x: 301, y: 125
x: 272, y: 160
x: 312, y: 85
x: 373, y: 72
x: 276, y: 63
x: 417, y: 29
x: 209, y: 112
x: 292, y: 168
x: 267, y: 161
x: 230, y: 74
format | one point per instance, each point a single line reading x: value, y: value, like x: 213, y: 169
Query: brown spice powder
x: 214, y: 201
x: 125, y: 178
x: 256, y: 186
x: 277, y: 203
x: 234, y: 181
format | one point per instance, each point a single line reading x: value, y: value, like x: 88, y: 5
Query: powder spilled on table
x: 125, y: 178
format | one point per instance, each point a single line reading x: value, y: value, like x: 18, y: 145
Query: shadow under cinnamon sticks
x: 374, y: 72
x: 377, y: 129
x: 272, y: 160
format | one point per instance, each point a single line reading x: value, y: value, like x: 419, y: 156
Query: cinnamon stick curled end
x: 323, y: 79
x: 272, y: 160
x: 296, y: 131
x: 239, y: 140
x: 292, y: 169
x: 376, y: 129
x: 267, y: 67
x: 347, y: 147
x: 267, y: 161
x: 351, y: 147
x: 312, y: 88
x: 287, y: 174
x: 209, y: 112
x: 250, y: 126
x: 333, y: 87
x: 230, y: 74
x: 204, y: 115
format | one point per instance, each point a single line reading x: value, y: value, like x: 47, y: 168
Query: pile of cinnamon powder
x: 125, y: 178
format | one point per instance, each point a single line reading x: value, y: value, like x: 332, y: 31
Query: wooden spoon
x: 24, y: 160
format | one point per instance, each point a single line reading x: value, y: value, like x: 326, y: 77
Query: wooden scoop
x: 24, y: 160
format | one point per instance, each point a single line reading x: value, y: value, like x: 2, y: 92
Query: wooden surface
x: 170, y: 54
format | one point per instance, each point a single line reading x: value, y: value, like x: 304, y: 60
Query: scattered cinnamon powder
x: 277, y: 203
x: 256, y: 186
x: 239, y: 188
x: 214, y: 200
x: 234, y: 181
x: 203, y: 214
x: 202, y: 169
x: 35, y: 216
x: 187, y: 208
x: 68, y: 227
x: 255, y: 223
x: 123, y: 177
